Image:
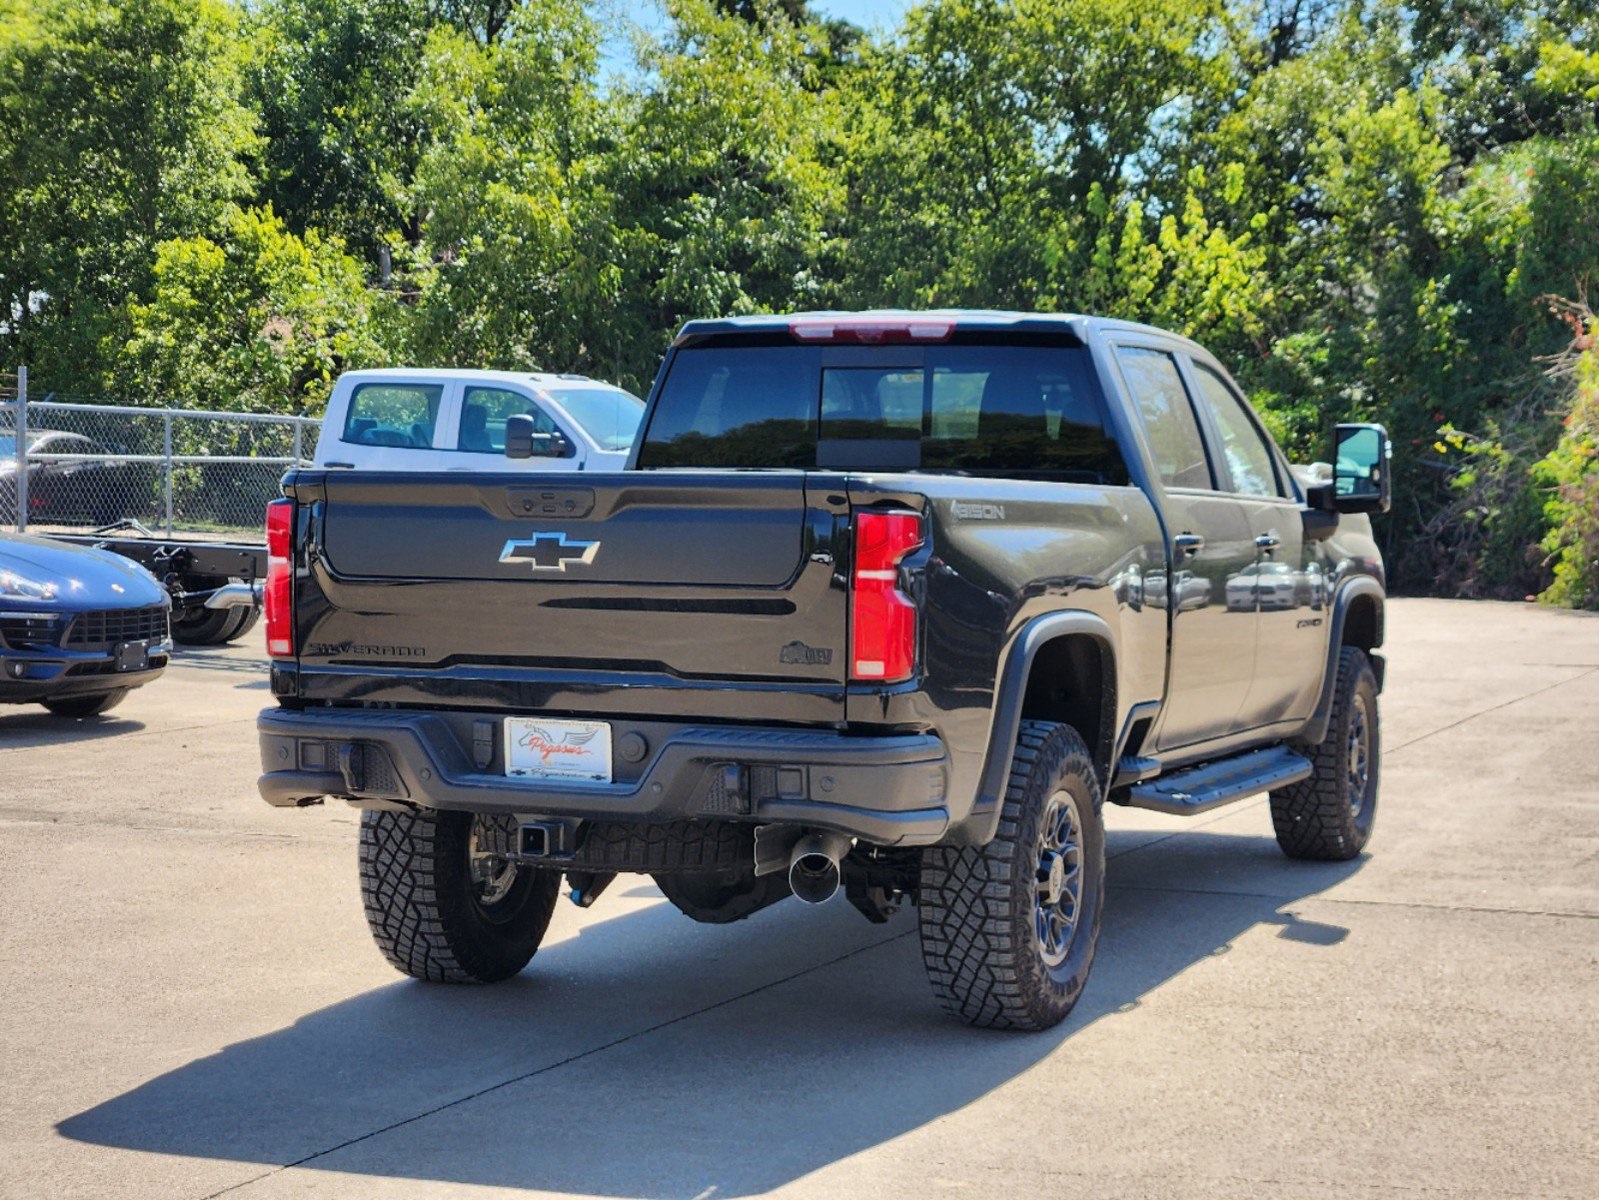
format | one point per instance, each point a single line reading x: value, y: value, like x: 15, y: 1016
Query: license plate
x: 133, y: 656
x: 544, y: 749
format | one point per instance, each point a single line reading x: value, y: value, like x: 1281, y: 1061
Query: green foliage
x: 978, y: 136
x: 248, y: 321
x: 1570, y: 473
x: 723, y: 196
x: 1363, y: 206
x: 1186, y: 273
x: 120, y: 126
x: 508, y: 270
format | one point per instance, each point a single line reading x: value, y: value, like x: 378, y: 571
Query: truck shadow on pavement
x: 29, y: 728
x: 650, y: 1057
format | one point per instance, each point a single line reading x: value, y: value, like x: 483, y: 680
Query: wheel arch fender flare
x: 1362, y: 589
x: 1010, y: 694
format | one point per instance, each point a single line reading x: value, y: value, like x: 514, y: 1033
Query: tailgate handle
x: 567, y: 502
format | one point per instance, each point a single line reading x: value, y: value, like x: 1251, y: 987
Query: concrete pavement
x: 190, y: 1004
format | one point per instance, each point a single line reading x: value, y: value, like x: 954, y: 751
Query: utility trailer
x: 181, y: 492
x: 215, y: 586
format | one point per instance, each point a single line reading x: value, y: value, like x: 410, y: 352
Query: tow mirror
x: 1362, y: 480
x: 523, y: 441
x: 519, y: 436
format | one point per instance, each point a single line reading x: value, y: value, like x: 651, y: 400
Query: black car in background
x: 79, y: 628
x: 95, y: 490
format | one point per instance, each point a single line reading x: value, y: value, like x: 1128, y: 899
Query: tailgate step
x: 1210, y: 785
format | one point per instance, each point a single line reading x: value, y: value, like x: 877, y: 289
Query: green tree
x: 724, y: 198
x: 258, y: 319
x: 331, y: 81
x: 512, y: 269
x: 1569, y: 474
x: 979, y: 134
x: 120, y: 127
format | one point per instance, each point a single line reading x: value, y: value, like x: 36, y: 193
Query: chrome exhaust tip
x: 813, y: 867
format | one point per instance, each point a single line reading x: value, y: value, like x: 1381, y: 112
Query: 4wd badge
x: 549, y: 551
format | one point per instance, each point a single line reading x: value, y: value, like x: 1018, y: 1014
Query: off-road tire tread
x: 407, y: 860
x: 969, y: 943
x: 1312, y: 818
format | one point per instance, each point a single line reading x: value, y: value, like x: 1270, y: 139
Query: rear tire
x: 1329, y: 815
x: 247, y: 621
x: 443, y: 909
x: 214, y: 626
x: 1009, y: 929
x: 204, y: 627
x: 87, y: 706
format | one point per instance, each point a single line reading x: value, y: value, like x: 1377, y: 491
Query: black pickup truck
x: 886, y: 603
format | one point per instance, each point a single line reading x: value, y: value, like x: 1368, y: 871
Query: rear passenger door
x: 1212, y: 658
x: 1285, y: 583
x: 395, y: 423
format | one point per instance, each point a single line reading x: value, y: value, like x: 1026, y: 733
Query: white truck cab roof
x: 449, y: 418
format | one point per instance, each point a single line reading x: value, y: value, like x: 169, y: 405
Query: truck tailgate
x: 459, y: 588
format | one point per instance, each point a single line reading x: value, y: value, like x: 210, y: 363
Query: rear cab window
x: 1001, y: 410
x: 393, y: 414
x: 736, y: 406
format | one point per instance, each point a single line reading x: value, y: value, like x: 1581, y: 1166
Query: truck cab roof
x: 936, y: 323
x: 467, y: 374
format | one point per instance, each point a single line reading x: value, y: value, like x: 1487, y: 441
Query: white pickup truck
x: 413, y: 419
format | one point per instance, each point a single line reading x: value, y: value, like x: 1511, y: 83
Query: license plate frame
x: 558, y: 749
x: 133, y: 656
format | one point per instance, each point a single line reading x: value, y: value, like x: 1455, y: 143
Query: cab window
x: 1169, y: 422
x: 1248, y: 457
x: 1002, y: 411
x: 1020, y: 412
x: 483, y: 414
x: 393, y: 414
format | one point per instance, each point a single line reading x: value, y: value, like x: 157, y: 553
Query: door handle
x: 1268, y: 542
x: 1187, y: 544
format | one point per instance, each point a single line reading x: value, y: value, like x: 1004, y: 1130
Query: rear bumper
x: 887, y: 790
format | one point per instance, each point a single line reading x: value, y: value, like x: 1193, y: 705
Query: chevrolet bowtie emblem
x: 548, y: 551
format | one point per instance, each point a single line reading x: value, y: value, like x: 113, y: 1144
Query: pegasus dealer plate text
x: 543, y: 749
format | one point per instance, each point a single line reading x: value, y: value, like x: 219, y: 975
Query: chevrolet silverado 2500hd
x: 887, y: 603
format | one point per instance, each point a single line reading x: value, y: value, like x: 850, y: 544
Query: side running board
x: 1199, y: 789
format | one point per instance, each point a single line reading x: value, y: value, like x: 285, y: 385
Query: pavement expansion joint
x: 1548, y: 687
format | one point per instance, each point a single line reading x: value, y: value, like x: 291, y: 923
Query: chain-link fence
x: 80, y: 466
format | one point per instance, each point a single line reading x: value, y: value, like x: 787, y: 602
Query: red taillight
x: 279, y: 579
x: 882, y: 618
x: 871, y: 331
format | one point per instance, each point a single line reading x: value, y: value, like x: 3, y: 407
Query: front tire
x: 1009, y: 929
x: 1329, y: 815
x: 441, y: 906
x: 87, y: 706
